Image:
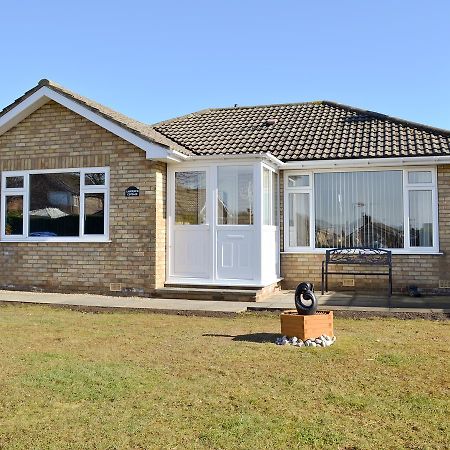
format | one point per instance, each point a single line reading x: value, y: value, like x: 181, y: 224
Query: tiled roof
x: 304, y: 131
x: 140, y: 129
x: 298, y: 131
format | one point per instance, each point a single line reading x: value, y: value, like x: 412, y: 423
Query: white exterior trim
x: 45, y: 94
x: 268, y: 158
x: 372, y: 162
x: 330, y: 163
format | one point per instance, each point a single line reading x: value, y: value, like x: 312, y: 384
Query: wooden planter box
x: 306, y: 327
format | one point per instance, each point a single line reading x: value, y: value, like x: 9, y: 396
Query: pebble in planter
x: 321, y: 341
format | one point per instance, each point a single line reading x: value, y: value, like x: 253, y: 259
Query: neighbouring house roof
x: 53, y: 213
x: 320, y: 130
x: 140, y: 129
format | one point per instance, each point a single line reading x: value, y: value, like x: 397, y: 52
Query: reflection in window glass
x: 14, y: 215
x: 359, y: 209
x: 190, y: 198
x: 14, y: 182
x: 298, y: 180
x: 94, y: 179
x: 266, y: 196
x: 94, y: 213
x: 299, y: 220
x: 54, y: 204
x: 274, y: 198
x: 420, y: 219
x: 420, y: 177
x: 235, y: 200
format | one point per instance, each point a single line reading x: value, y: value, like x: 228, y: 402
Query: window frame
x: 407, y: 188
x: 25, y: 192
x: 274, y: 197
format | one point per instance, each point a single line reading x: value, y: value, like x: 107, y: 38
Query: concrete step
x: 216, y: 293
x: 190, y: 293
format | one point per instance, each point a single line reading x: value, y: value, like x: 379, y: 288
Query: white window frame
x: 299, y: 190
x: 274, y: 219
x: 407, y: 188
x: 25, y: 192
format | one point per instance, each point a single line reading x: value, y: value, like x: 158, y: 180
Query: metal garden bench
x: 373, y: 257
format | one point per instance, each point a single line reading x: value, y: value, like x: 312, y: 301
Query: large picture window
x: 359, y: 209
x: 393, y: 209
x: 55, y: 205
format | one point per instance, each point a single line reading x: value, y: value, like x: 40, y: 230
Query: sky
x: 154, y: 60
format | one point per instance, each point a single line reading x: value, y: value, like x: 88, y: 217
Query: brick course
x: 425, y: 271
x: 54, y: 137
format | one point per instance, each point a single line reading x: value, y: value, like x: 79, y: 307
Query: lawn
x: 129, y: 380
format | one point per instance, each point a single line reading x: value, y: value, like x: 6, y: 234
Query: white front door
x: 191, y: 255
x: 235, y: 234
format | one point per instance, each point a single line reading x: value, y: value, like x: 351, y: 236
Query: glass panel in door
x: 235, y: 200
x: 190, y: 198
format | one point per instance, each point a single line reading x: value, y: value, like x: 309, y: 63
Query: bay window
x: 394, y: 209
x: 66, y: 204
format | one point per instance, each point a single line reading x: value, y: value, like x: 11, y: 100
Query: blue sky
x: 154, y: 60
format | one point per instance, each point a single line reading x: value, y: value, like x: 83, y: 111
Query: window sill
x: 55, y: 240
x: 394, y: 252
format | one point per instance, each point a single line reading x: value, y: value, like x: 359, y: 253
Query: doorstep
x: 216, y: 293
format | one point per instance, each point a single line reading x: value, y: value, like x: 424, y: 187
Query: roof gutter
x: 317, y: 164
x: 367, y: 162
x: 175, y: 156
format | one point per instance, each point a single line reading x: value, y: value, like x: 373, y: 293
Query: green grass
x: 142, y: 381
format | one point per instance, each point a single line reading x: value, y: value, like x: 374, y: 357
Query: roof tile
x: 315, y: 130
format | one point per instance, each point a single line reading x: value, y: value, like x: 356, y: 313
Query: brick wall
x: 425, y: 271
x: 54, y: 137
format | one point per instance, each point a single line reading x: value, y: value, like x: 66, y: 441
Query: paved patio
x: 339, y: 300
x: 277, y: 302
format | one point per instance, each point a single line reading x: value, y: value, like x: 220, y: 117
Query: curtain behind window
x: 359, y: 209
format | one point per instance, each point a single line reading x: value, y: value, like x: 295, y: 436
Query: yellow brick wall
x: 54, y: 137
x: 425, y: 271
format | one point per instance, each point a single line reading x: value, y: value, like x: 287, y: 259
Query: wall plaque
x: 132, y: 191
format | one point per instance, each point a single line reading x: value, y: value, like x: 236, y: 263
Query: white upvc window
x: 270, y: 196
x: 390, y: 208
x: 55, y: 205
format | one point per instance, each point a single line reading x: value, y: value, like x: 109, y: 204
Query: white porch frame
x: 211, y: 167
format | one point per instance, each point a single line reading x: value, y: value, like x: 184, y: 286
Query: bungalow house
x: 221, y: 200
